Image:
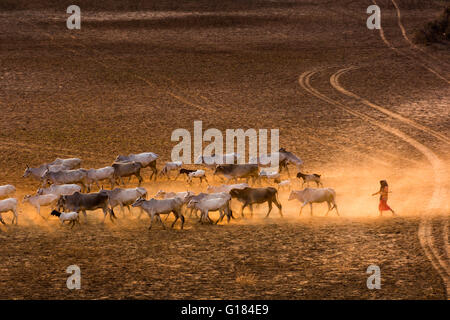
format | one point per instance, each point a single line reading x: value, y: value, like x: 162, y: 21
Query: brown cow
x: 127, y: 169
x: 250, y: 196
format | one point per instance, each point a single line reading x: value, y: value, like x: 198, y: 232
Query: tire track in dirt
x: 388, y: 44
x: 427, y: 233
x: 437, y: 165
x: 405, y: 36
x: 445, y: 234
x: 334, y: 80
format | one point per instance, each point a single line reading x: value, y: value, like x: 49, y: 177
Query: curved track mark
x: 334, y: 80
x: 383, y: 37
x: 437, y: 165
x: 405, y: 36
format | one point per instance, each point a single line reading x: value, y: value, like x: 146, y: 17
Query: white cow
x: 38, y: 172
x: 270, y: 175
x: 198, y: 174
x: 60, y: 190
x: 7, y: 205
x: 7, y: 190
x: 125, y: 197
x: 38, y: 201
x: 310, y: 196
x: 155, y: 208
x: 65, y: 177
x: 169, y: 166
x: 96, y: 175
x: 70, y: 163
x: 221, y: 204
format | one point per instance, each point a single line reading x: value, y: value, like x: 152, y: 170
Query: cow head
x: 121, y: 158
x: 235, y: 193
x: 138, y: 202
x: 296, y: 195
x: 192, y: 203
x: 25, y: 198
x: 27, y: 172
x: 55, y: 213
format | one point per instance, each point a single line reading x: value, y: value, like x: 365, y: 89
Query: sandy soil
x: 131, y: 76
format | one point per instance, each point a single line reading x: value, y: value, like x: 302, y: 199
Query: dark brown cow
x: 235, y: 171
x: 127, y: 169
x: 147, y: 159
x: 250, y: 196
x: 86, y: 201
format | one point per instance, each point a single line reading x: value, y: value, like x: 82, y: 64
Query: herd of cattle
x: 66, y: 188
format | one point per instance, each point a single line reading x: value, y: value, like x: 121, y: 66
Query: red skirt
x: 383, y: 206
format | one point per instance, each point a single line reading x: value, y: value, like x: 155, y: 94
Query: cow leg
x: 222, y: 213
x: 301, y: 208
x: 251, y: 210
x: 278, y: 204
x: 208, y: 218
x: 38, y: 209
x: 159, y: 218
x: 104, y: 214
x: 311, y: 209
x: 287, y: 170
x: 139, y: 178
x: 151, y: 221
x: 85, y: 215
x: 202, y: 214
x: 329, y: 208
x: 167, y: 217
x: 182, y: 220
x: 242, y: 210
x: 335, y: 206
x: 270, y: 208
x: 155, y: 171
x: 176, y: 214
x: 122, y: 211
x: 84, y: 186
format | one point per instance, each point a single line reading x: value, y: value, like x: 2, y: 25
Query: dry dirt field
x: 356, y: 105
